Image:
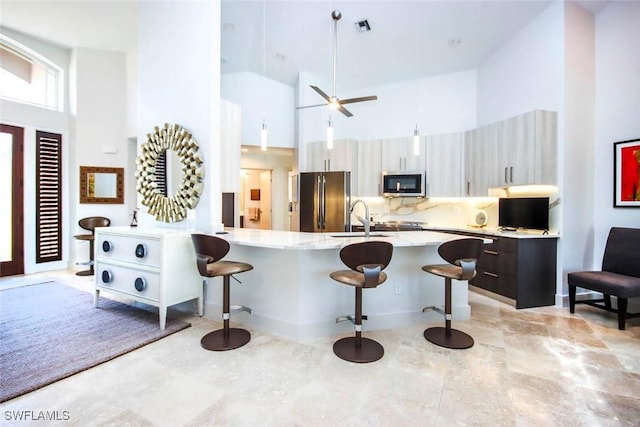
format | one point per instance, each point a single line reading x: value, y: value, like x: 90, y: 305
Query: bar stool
x: 461, y: 254
x: 90, y: 224
x: 209, y: 252
x: 366, y: 261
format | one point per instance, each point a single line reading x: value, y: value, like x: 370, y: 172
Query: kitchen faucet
x: 365, y: 220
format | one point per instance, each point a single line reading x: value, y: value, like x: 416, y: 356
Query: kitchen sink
x: 358, y: 234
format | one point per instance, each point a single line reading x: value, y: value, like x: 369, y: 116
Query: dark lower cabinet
x: 521, y: 269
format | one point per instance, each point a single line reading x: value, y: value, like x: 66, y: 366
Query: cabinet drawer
x: 141, y: 250
x: 123, y: 279
x: 500, y: 283
x: 486, y: 280
x: 498, y: 262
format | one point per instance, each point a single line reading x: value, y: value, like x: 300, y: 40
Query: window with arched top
x: 26, y: 76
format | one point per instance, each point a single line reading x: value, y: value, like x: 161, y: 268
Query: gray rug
x: 50, y: 331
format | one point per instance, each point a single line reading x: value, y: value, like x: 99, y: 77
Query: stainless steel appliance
x: 403, y: 184
x: 324, y: 200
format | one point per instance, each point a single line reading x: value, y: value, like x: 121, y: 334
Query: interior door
x: 265, y: 200
x: 11, y: 214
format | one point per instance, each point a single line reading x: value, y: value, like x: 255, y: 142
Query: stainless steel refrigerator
x: 324, y: 200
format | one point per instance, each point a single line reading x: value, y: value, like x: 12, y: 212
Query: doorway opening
x: 265, y: 188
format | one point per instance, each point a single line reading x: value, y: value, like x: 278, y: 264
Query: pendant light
x: 264, y: 134
x: 416, y: 132
x: 330, y: 134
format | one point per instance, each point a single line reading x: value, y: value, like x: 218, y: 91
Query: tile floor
x: 535, y: 367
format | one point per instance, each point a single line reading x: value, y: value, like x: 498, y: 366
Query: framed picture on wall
x: 626, y: 174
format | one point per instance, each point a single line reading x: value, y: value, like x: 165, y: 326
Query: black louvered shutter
x: 48, y: 197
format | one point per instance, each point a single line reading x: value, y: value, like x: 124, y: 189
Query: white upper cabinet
x: 445, y: 172
x: 398, y: 155
x: 369, y: 168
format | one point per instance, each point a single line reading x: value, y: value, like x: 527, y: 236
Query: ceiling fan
x: 333, y: 101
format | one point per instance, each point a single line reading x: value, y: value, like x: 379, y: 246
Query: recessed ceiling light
x: 455, y: 41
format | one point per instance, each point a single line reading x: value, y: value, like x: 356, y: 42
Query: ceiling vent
x: 363, y: 26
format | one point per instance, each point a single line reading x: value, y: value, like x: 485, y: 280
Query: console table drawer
x: 141, y: 250
x: 136, y: 282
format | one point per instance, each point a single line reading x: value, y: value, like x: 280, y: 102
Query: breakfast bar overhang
x: 292, y: 295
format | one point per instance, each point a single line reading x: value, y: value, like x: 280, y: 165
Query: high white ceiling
x: 408, y: 39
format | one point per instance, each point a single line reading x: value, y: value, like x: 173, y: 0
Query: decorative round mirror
x: 169, y: 148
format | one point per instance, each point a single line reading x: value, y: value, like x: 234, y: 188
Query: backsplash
x: 458, y: 212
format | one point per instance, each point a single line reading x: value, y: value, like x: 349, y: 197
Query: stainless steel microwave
x: 395, y: 184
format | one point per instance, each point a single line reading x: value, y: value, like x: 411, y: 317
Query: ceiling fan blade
x: 361, y: 99
x: 321, y: 93
x: 311, y: 106
x: 344, y: 111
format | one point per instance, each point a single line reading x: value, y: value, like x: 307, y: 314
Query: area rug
x: 50, y: 331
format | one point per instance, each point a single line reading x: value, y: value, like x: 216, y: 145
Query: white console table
x: 155, y: 266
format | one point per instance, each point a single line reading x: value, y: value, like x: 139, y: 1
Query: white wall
x: 577, y: 184
x: 179, y: 82
x: 526, y: 73
x: 261, y: 99
x: 617, y: 42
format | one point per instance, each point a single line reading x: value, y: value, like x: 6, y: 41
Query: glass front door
x: 11, y: 194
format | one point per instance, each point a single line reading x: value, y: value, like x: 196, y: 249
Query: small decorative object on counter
x: 134, y: 218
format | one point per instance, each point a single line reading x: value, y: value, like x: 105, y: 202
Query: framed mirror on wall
x: 101, y: 185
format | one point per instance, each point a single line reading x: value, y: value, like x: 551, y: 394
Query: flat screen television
x: 524, y: 212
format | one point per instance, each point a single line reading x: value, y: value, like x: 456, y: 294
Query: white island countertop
x: 276, y: 239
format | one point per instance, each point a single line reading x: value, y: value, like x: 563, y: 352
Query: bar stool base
x: 369, y: 351
x: 85, y: 273
x: 457, y: 340
x: 219, y: 341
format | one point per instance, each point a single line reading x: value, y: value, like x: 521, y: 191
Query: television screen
x: 524, y: 212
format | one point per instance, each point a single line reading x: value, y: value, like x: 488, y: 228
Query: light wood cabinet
x: 342, y: 157
x: 398, y: 155
x: 445, y: 172
x: 481, y: 160
x: 517, y: 151
x: 369, y: 168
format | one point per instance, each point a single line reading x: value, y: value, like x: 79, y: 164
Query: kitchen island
x: 292, y: 295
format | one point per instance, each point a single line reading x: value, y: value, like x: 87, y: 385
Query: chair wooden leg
x: 572, y: 299
x: 622, y: 313
x: 607, y: 301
